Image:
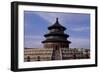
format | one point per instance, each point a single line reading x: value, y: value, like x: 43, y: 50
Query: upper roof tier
x: 56, y: 34
x: 56, y: 25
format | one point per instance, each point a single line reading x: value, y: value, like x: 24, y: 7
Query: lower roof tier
x: 56, y: 40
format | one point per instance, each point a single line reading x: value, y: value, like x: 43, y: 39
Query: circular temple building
x: 56, y: 38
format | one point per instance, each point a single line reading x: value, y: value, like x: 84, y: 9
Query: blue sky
x: 36, y: 24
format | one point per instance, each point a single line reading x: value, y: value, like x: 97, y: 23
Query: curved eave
x: 58, y: 41
x: 59, y: 27
x: 51, y: 34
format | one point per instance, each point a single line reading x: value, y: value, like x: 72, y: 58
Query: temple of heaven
x: 56, y: 38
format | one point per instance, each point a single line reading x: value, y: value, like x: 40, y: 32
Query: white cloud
x: 79, y: 43
x: 51, y: 17
x: 33, y: 41
x: 32, y: 44
x: 64, y: 17
x: 33, y: 37
x: 80, y: 29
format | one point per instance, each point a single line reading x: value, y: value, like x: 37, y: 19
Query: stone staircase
x: 56, y: 54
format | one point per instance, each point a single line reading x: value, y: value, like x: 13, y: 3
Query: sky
x: 36, y: 25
